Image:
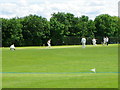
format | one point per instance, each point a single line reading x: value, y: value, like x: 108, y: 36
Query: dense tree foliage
x: 36, y: 30
x: 106, y: 25
x: 11, y: 31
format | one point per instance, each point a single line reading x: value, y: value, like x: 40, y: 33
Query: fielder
x: 49, y: 43
x: 107, y: 40
x: 104, y: 41
x: 12, y: 47
x: 94, y: 41
x: 83, y: 41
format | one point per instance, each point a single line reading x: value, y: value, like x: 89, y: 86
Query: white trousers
x: 49, y: 45
x: 83, y: 45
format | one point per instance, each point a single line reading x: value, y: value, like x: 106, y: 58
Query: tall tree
x: 105, y: 25
x: 91, y: 29
x: 85, y: 26
x: 11, y: 31
x: 56, y: 31
x: 35, y: 30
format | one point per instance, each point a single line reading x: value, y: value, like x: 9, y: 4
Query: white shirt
x: 107, y: 39
x: 12, y: 46
x: 104, y: 40
x: 94, y: 40
x: 48, y: 42
x: 83, y: 40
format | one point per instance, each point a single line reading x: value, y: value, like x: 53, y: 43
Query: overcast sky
x: 44, y: 8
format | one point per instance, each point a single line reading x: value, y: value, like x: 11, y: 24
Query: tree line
x: 34, y: 30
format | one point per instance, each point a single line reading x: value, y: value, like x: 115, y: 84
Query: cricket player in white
x: 12, y: 47
x: 94, y: 41
x: 104, y: 41
x: 49, y: 43
x: 83, y: 41
x: 107, y: 39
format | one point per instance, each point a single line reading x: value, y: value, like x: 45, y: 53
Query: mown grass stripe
x: 53, y: 72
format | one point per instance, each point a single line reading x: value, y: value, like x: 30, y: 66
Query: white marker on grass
x: 93, y: 70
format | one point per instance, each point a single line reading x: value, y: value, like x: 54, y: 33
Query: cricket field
x: 60, y: 67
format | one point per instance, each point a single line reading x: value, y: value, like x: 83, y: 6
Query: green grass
x: 56, y: 67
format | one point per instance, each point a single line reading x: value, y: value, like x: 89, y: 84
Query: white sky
x: 44, y: 8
